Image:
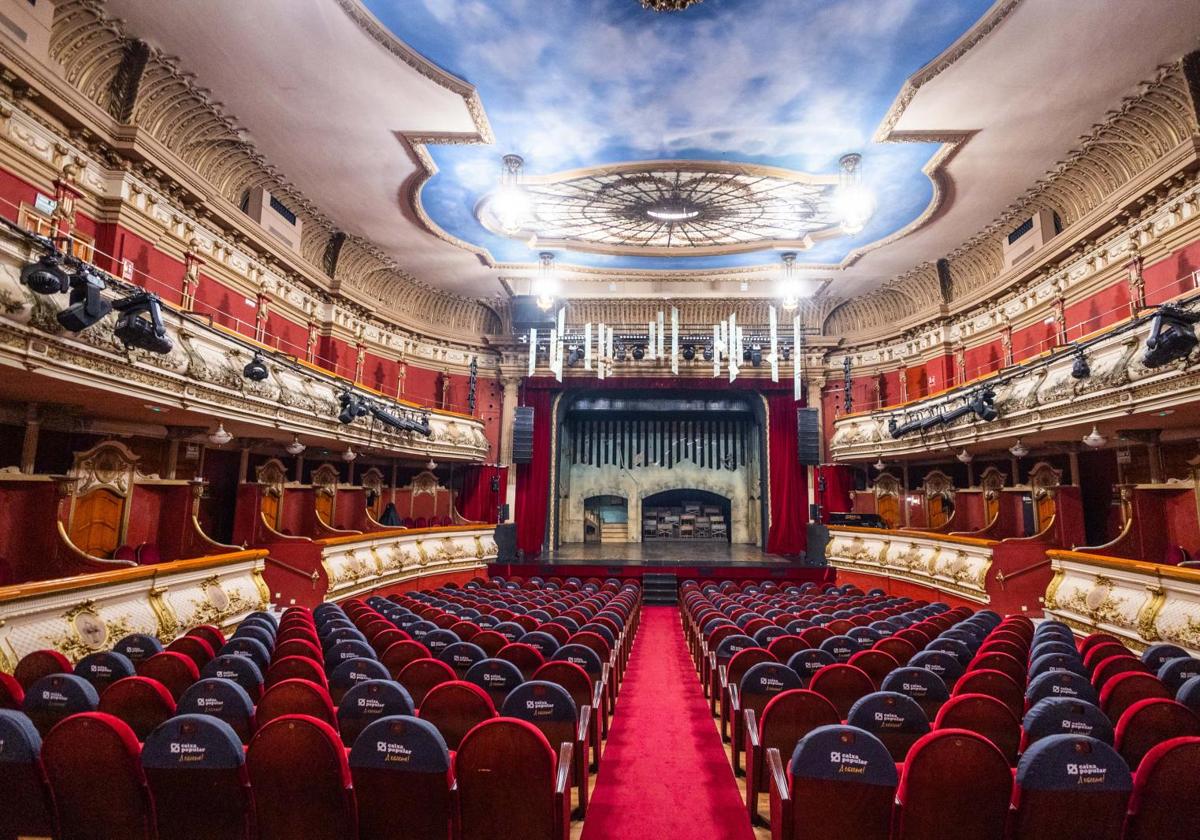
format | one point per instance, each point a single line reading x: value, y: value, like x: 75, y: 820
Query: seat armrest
x: 722, y: 676
x: 598, y: 697
x: 735, y: 705
x: 752, y: 740
x: 585, y: 723
x: 562, y: 780
x: 781, y: 798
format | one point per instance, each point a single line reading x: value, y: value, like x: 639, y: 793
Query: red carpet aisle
x: 664, y: 773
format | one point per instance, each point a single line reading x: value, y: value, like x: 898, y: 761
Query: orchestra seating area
x: 474, y: 713
x: 858, y: 715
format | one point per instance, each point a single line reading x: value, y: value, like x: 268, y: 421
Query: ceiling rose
x: 674, y: 207
x: 668, y: 5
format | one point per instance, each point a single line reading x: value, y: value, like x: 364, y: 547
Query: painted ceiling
x: 575, y: 84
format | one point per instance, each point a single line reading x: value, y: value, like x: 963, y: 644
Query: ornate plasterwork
x: 357, y: 566
x: 958, y: 568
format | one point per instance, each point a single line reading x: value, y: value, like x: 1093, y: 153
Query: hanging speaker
x: 808, y: 436
x: 522, y: 442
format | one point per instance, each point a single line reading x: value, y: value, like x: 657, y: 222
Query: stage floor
x: 666, y: 553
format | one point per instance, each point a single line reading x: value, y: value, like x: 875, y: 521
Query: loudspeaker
x: 818, y: 539
x: 808, y: 436
x: 506, y: 543
x: 526, y: 314
x: 522, y: 442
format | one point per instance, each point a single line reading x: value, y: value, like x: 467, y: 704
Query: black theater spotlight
x: 619, y: 353
x: 1171, y: 336
x: 401, y: 423
x: 639, y: 352
x: 756, y: 355
x: 46, y: 276
x: 574, y: 356
x: 708, y: 352
x: 785, y: 352
x: 256, y: 370
x: 689, y: 352
x: 1080, y: 369
x: 144, y: 333
x: 983, y: 404
x: 353, y: 407
x: 86, y: 305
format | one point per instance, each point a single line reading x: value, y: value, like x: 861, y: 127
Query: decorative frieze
x: 359, y: 564
x: 955, y: 565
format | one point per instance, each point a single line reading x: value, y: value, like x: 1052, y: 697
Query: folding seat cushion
x: 842, y: 685
x: 196, y: 649
x: 1164, y: 802
x: 250, y: 648
x: 994, y: 683
x: 955, y: 784
x: 1123, y: 690
x: 1071, y: 787
x: 875, y: 663
x: 1001, y: 662
x: 345, y: 649
x: 1051, y: 661
x: 509, y: 787
x: 401, y: 766
x: 209, y: 633
x: 104, y: 668
x: 397, y: 656
x: 1060, y: 684
x: 461, y: 656
x: 421, y: 675
x: 222, y: 699
x: 173, y: 669
x: 28, y: 810
x: 986, y: 716
x: 296, y: 647
x: 301, y: 781
x: 955, y: 647
x: 96, y: 779
x: 841, y: 782
x: 808, y: 662
x: 1148, y: 723
x: 1157, y: 654
x: 455, y: 708
x: 527, y: 658
x: 196, y: 770
x: 1175, y: 672
x: 56, y: 697
x: 138, y: 647
x: 141, y: 702
x: 497, y: 677
x: 295, y: 697
x: 40, y: 663
x: 1063, y: 716
x: 901, y: 650
x: 240, y: 669
x: 895, y: 719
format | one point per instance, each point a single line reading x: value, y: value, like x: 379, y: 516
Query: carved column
x: 360, y: 360
x: 66, y: 194
x: 172, y: 459
x: 244, y: 462
x: 508, y: 406
x: 310, y: 347
x: 300, y: 468
x: 903, y: 383
x: 1059, y: 309
x: 262, y: 311
x: 1073, y: 464
x: 33, y: 427
x: 191, y: 275
x: 1006, y: 343
x: 1137, y: 284
x: 401, y: 376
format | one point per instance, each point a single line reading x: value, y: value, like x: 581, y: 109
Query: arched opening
x: 605, y: 519
x: 685, y: 514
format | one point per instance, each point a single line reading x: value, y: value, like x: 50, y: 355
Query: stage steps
x: 660, y: 588
x: 614, y: 532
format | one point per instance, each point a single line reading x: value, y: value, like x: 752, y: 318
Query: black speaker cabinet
x: 808, y: 436
x: 818, y: 540
x: 506, y: 543
x: 522, y: 448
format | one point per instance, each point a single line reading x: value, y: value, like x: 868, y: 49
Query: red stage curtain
x: 533, y: 479
x: 789, y: 491
x: 478, y: 502
x: 839, y: 481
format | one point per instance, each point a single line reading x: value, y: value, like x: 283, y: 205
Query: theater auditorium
x: 599, y: 419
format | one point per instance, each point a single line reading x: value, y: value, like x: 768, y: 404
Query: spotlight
x: 708, y: 352
x: 256, y: 371
x: 756, y: 355
x: 639, y: 352
x: 399, y: 423
x: 86, y: 306
x: 46, y: 276
x: 574, y: 356
x: 353, y: 407
x: 619, y: 353
x: 1171, y: 336
x: 135, y: 331
x: 689, y: 352
x: 982, y: 403
x: 1080, y: 369
x: 785, y: 352
x: 746, y: 355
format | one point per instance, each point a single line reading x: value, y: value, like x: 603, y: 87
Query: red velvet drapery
x: 839, y: 481
x: 789, y: 491
x: 533, y: 479
x: 478, y: 502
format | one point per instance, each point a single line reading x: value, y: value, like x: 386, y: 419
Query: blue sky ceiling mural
x: 732, y: 115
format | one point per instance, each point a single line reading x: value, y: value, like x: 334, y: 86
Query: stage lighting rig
x: 256, y: 370
x: 689, y: 352
x: 574, y: 356
x: 756, y: 356
x: 86, y: 306
x: 353, y: 407
x: 144, y: 333
x: 401, y: 423
x: 46, y: 276
x: 980, y: 403
x: 1172, y: 336
x: 639, y: 352
x: 708, y: 352
x: 1080, y: 369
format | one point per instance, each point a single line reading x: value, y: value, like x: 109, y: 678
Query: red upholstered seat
x: 295, y: 697
x: 301, y: 781
x: 455, y: 708
x: 1123, y: 690
x: 786, y: 719
x: 399, y: 654
x: 1164, y: 802
x: 1148, y: 723
x: 195, y: 648
x: 526, y: 657
x: 96, y: 779
x: 11, y: 692
x: 209, y: 633
x: 491, y: 641
x: 141, y: 702
x: 994, y: 684
x: 945, y: 771
x: 985, y: 716
x: 40, y: 663
x: 1112, y: 666
x: 295, y: 668
x: 999, y: 661
x: 27, y: 810
x: 419, y: 788
x: 549, y: 707
x: 511, y: 783
x: 1070, y: 787
x: 877, y: 664
x: 196, y: 769
x: 421, y: 675
x: 842, y: 685
x: 901, y: 650
x: 1092, y: 639
x: 173, y: 669
x: 583, y: 691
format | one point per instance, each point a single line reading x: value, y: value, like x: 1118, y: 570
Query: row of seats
x: 290, y: 672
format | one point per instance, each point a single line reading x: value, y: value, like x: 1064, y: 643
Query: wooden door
x: 888, y: 508
x: 96, y: 523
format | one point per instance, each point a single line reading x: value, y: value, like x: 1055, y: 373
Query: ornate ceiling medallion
x: 668, y: 5
x: 674, y: 208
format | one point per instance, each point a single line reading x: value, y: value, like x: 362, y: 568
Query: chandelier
x: 791, y: 298
x: 545, y: 285
x: 668, y: 5
x: 511, y: 202
x: 854, y: 200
